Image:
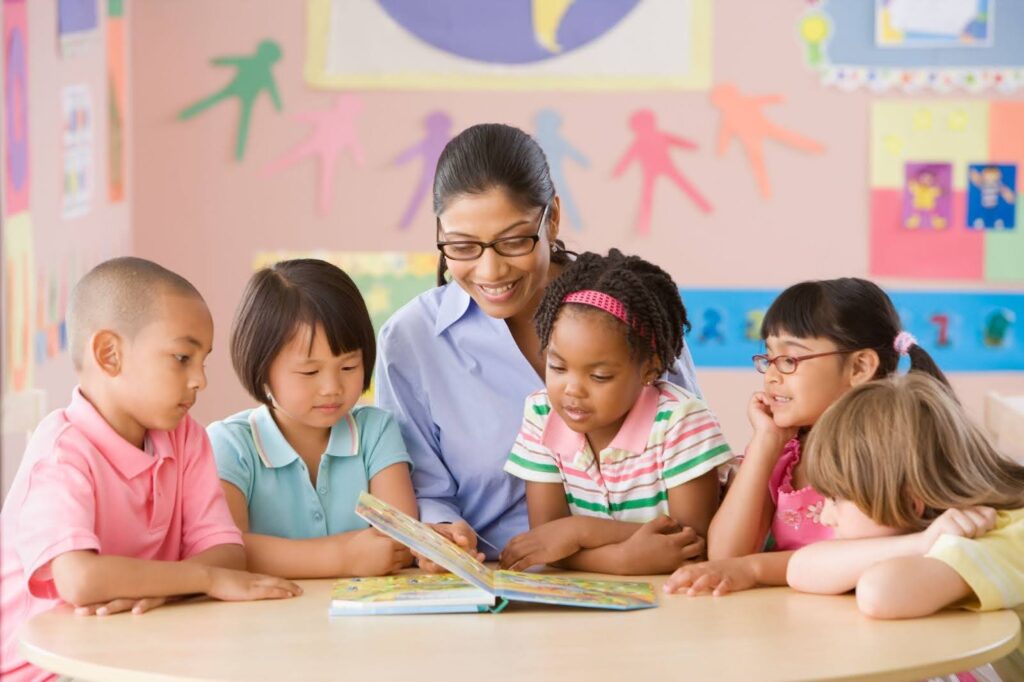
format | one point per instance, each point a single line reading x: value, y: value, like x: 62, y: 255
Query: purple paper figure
x: 438, y: 127
x: 549, y: 134
x: 652, y: 147
x: 334, y: 131
x: 928, y: 195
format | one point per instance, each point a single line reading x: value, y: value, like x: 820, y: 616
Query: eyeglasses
x: 504, y: 246
x: 787, y: 364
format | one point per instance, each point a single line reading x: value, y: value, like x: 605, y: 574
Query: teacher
x: 456, y: 363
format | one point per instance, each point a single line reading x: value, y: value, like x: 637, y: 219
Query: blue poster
x: 992, y: 196
x: 963, y: 331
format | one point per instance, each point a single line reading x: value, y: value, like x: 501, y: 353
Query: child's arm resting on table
x: 722, y: 576
x: 909, y: 587
x: 86, y: 578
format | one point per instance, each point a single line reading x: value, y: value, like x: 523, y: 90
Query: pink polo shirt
x: 80, y: 486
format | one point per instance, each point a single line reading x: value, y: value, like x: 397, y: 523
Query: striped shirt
x: 668, y: 438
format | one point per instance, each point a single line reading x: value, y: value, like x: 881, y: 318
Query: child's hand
x: 660, y: 546
x: 717, y: 577
x: 545, y: 544
x: 369, y: 552
x: 230, y: 585
x: 458, y: 532
x: 136, y: 606
x: 759, y: 412
x: 970, y: 522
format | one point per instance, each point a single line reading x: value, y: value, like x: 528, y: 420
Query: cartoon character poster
x: 928, y: 196
x: 992, y: 196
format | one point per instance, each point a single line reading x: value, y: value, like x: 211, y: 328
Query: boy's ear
x: 863, y: 365
x: 107, y: 351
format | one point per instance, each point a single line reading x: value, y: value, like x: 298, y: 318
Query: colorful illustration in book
x: 392, y: 588
x: 438, y: 131
x: 743, y: 120
x: 334, y: 132
x: 253, y: 75
x: 928, y: 195
x: 992, y: 196
x: 652, y: 148
x: 548, y: 123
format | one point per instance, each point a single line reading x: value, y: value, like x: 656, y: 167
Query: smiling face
x: 311, y: 387
x: 503, y: 286
x: 162, y: 367
x: 797, y: 400
x: 592, y: 379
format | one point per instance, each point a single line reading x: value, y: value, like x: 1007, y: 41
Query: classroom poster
x: 933, y: 23
x: 117, y: 102
x: 77, y: 24
x: 992, y: 196
x: 16, y: 120
x: 523, y: 45
x: 78, y: 155
x: 928, y: 196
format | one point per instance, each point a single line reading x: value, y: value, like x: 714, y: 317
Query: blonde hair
x: 892, y: 445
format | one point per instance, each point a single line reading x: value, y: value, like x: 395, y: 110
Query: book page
x: 587, y: 592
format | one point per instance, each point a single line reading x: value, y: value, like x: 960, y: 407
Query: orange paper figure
x: 742, y: 118
x: 334, y: 131
x: 651, y: 148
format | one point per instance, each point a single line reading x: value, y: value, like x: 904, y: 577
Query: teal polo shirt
x: 253, y: 455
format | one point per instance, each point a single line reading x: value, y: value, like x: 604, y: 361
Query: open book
x: 474, y: 587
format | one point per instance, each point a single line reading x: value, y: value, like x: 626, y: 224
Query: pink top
x: 797, y: 520
x: 81, y: 486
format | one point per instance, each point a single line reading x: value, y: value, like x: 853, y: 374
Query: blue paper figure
x: 710, y: 331
x: 997, y: 328
x: 992, y: 196
x: 549, y: 134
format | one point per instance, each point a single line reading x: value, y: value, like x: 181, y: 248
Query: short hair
x: 280, y: 299
x: 657, y: 316
x: 890, y: 442
x: 119, y: 294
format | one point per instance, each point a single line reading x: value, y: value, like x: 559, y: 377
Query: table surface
x: 767, y: 634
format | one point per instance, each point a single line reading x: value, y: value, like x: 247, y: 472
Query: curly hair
x: 657, y: 317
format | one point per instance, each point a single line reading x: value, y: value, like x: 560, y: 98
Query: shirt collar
x: 454, y: 304
x: 632, y: 436
x: 129, y: 460
x: 275, y: 451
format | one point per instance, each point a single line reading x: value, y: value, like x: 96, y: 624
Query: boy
x: 117, y: 505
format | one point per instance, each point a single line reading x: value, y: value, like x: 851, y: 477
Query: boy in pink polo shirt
x: 117, y: 504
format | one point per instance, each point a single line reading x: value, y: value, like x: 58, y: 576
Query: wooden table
x: 769, y: 634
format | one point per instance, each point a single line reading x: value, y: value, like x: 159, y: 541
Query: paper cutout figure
x: 549, y: 134
x: 814, y: 29
x: 16, y: 120
x: 711, y: 331
x: 992, y: 196
x: 651, y: 148
x: 755, y: 318
x: 253, y: 75
x: 334, y: 131
x: 547, y: 19
x: 928, y: 196
x: 742, y: 118
x: 997, y: 328
x: 941, y: 322
x: 438, y: 127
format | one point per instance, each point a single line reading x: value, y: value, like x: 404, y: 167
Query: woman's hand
x: 458, y: 532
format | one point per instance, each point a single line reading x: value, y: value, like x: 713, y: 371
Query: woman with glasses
x: 456, y: 364
x: 823, y: 338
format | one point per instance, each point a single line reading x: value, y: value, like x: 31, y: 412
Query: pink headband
x: 903, y: 342
x: 602, y: 301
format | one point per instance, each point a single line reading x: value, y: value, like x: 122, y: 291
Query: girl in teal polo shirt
x: 303, y: 345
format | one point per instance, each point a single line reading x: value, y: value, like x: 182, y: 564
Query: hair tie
x: 903, y: 342
x: 599, y: 300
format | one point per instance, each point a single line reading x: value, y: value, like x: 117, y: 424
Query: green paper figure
x: 253, y: 75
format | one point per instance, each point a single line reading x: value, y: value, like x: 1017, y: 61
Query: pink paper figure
x: 438, y: 126
x: 334, y: 131
x: 651, y: 148
x: 742, y: 118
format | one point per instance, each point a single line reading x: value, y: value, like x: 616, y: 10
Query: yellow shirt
x: 993, y: 566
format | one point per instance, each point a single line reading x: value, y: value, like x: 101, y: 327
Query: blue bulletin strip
x: 979, y: 331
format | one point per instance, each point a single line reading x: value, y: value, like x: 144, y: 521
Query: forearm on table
x: 84, y: 577
x: 322, y: 557
x: 835, y: 566
x: 769, y: 568
x: 224, y: 556
x: 909, y: 587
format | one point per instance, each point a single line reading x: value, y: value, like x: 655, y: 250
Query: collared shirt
x: 81, y: 486
x: 254, y: 456
x: 455, y: 379
x: 669, y: 437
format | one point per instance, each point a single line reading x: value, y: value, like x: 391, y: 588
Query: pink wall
x: 203, y: 214
x: 74, y: 244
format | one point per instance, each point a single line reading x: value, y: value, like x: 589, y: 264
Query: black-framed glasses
x: 787, y: 364
x: 504, y: 246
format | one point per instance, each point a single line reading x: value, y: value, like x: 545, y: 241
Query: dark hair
x: 852, y: 312
x: 287, y: 295
x: 653, y: 305
x: 490, y: 155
